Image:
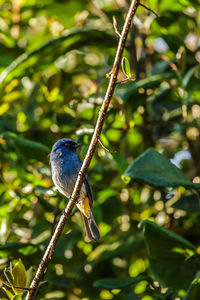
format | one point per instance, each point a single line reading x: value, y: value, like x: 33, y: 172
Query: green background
x: 53, y: 64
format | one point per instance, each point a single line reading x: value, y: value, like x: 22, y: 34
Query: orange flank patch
x: 84, y: 207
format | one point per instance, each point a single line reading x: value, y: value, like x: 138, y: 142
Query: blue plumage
x: 65, y: 166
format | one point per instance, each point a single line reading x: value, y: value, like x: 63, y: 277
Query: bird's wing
x: 89, y: 190
x: 87, y: 186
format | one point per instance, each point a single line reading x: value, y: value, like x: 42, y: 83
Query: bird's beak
x: 77, y: 146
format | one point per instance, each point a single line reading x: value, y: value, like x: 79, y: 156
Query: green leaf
x: 170, y: 254
x: 9, y: 275
x: 126, y: 296
x: 5, y: 283
x: 188, y: 75
x: 7, y: 291
x: 173, y: 41
x: 60, y: 281
x: 154, y: 169
x: 126, y: 67
x: 193, y: 291
x: 120, y: 162
x: 189, y: 203
x: 24, y: 142
x: 28, y: 250
x: 29, y: 276
x: 17, y: 297
x: 163, y: 243
x: 13, y: 248
x: 47, y: 206
x: 77, y: 36
x: 126, y: 91
x: 118, y: 283
x: 19, y: 274
x: 107, y: 251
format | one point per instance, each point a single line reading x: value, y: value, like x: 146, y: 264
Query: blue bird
x: 65, y: 166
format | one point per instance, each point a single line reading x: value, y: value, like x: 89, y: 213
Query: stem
x: 93, y: 144
x: 150, y: 10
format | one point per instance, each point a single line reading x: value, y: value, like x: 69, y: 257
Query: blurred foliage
x: 54, y: 59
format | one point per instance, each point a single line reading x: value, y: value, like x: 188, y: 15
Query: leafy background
x: 53, y: 63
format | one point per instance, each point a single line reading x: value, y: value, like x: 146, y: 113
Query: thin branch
x: 20, y: 288
x: 150, y: 10
x: 104, y: 147
x: 108, y: 75
x: 171, y: 64
x: 93, y: 144
x: 7, y: 284
x: 173, y: 86
x: 115, y: 26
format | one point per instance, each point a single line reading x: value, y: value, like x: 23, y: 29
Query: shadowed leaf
x: 115, y: 283
x: 154, y: 169
x: 170, y: 254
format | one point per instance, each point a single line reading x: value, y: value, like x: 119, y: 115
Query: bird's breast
x: 64, y: 175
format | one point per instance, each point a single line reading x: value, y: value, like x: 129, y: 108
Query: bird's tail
x: 91, y: 228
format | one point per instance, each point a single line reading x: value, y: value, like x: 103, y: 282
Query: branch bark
x: 93, y: 144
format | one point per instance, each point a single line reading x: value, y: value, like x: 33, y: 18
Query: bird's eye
x: 70, y: 145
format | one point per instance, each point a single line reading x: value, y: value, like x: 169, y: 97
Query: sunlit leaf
x: 93, y: 36
x: 53, y: 64
x: 19, y: 274
x: 12, y: 248
x: 126, y: 67
x: 17, y: 297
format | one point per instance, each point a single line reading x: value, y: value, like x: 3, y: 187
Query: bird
x: 65, y: 166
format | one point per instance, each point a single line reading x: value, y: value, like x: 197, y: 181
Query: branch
x: 93, y: 144
x: 104, y: 147
x: 115, y: 26
x: 151, y: 10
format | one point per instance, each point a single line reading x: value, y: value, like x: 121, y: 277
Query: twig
x: 20, y: 288
x: 173, y: 86
x: 82, y: 173
x: 15, y: 287
x: 104, y: 147
x: 151, y: 10
x: 171, y: 64
x: 115, y: 26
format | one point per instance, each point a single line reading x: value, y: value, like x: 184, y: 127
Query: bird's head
x: 65, y: 144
